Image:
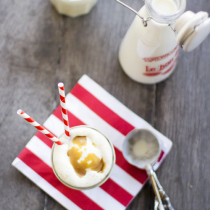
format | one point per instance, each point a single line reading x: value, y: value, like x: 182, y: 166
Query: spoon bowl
x: 153, y: 147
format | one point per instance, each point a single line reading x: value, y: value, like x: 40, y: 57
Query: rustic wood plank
x: 28, y: 55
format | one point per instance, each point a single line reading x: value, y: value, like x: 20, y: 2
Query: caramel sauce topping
x: 80, y: 141
x: 91, y: 161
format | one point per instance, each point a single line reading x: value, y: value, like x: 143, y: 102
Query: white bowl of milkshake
x: 85, y: 160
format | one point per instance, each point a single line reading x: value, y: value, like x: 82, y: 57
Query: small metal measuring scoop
x: 146, y: 160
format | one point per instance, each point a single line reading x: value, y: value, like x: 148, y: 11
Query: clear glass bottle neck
x: 162, y: 17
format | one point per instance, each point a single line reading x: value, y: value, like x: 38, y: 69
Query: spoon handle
x: 156, y: 191
x: 165, y: 199
x: 151, y: 174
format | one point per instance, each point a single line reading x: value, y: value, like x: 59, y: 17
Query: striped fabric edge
x: 89, y: 117
x: 90, y: 200
x: 119, y: 108
x: 94, y: 196
x: 81, y: 111
x: 107, y: 114
x: 46, y: 172
x: 44, y: 185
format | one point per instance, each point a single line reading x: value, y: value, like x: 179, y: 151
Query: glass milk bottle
x: 73, y: 8
x: 149, y: 51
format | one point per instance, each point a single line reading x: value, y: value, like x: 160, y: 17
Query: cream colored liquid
x: 145, y: 149
x: 164, y: 7
x: 83, y: 160
x: 140, y: 148
x: 147, y: 42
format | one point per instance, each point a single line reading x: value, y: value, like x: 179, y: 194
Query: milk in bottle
x: 149, y: 54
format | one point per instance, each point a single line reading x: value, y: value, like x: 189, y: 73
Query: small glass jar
x: 92, y: 186
x: 73, y: 8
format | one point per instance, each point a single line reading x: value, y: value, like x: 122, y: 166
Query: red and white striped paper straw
x: 38, y: 126
x: 63, y: 108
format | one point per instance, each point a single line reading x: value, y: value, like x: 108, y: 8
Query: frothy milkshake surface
x: 83, y: 160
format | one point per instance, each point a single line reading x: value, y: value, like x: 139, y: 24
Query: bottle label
x: 163, y: 68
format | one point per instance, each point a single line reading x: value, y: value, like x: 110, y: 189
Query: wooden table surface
x: 39, y: 48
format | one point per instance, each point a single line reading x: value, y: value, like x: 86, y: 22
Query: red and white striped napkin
x: 89, y: 104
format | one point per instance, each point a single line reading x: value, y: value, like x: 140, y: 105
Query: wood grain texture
x: 28, y: 57
x: 39, y: 48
